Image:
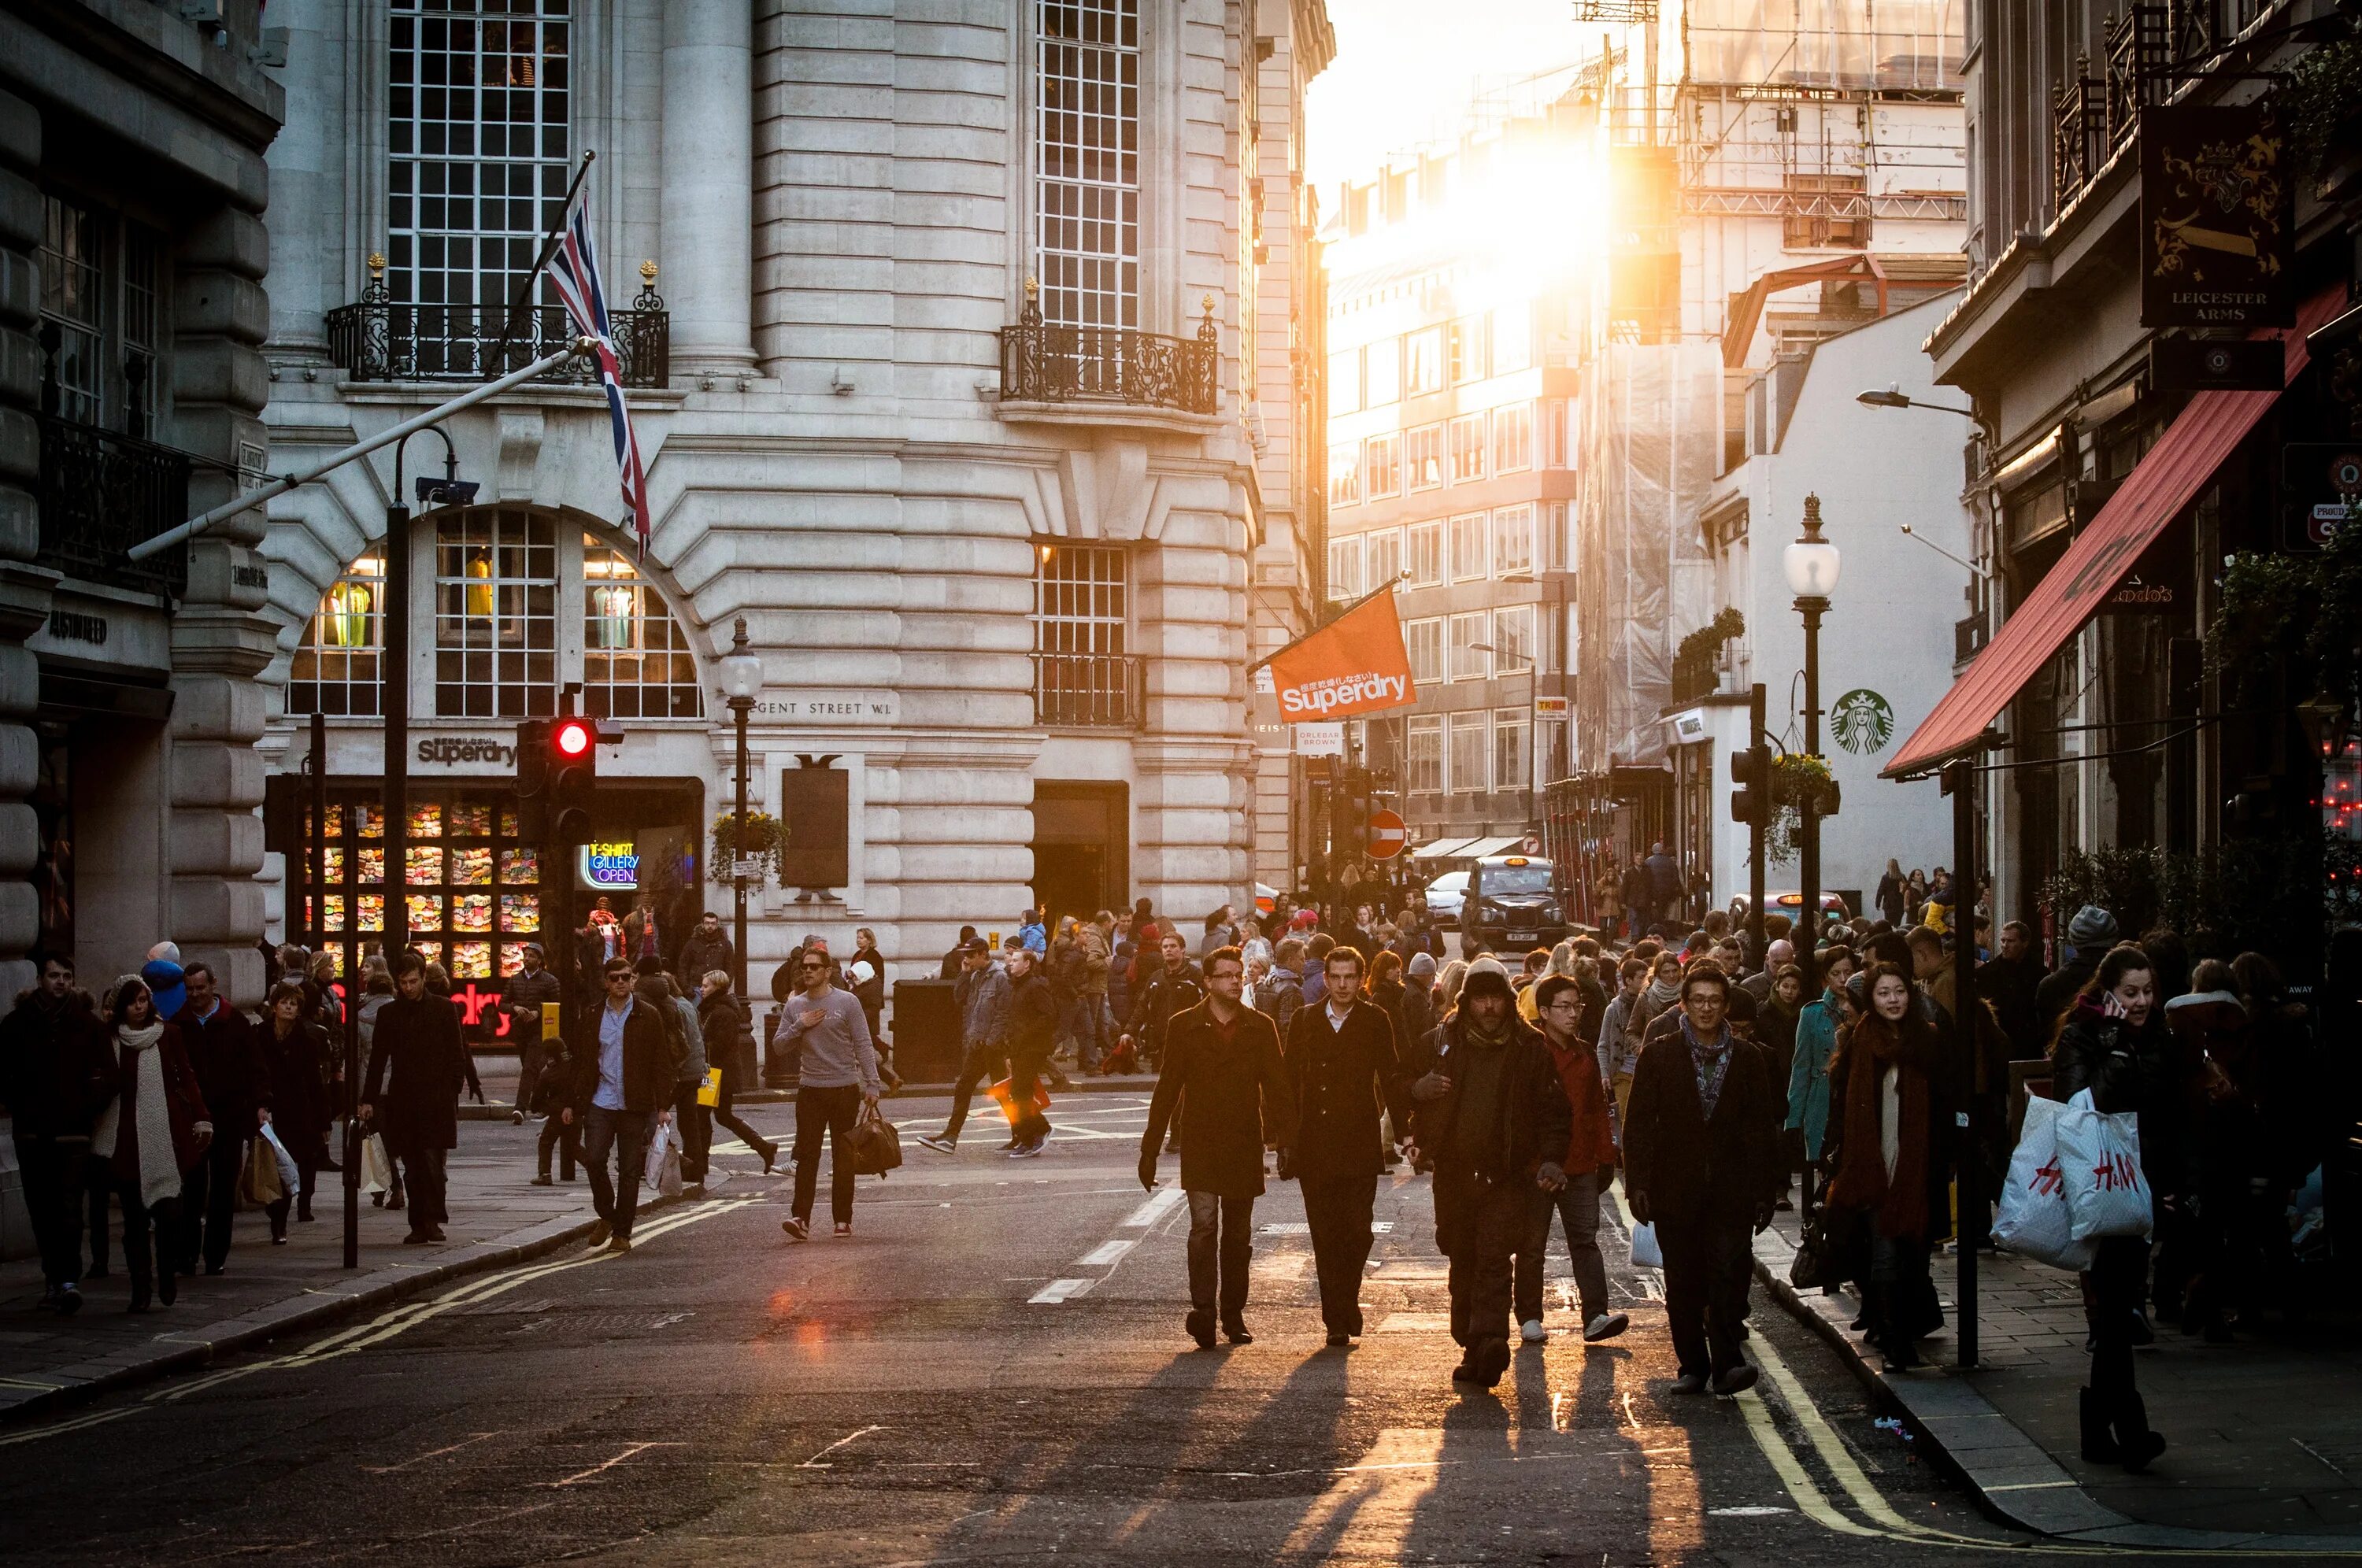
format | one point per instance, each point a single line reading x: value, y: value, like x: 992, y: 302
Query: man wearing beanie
x: 2088, y: 936
x: 1493, y: 1117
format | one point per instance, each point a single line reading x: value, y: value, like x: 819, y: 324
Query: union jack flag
x: 574, y: 271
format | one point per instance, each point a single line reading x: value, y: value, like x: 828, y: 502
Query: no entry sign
x: 1387, y: 836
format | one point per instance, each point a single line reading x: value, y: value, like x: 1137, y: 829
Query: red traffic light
x: 572, y: 737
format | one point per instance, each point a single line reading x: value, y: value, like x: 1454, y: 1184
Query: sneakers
x: 843, y: 1229
x: 939, y: 1144
x: 1607, y: 1326
x: 1734, y: 1380
x: 516, y: 1118
x: 599, y: 1234
x: 797, y: 1230
x: 1532, y: 1331
x: 1032, y: 1151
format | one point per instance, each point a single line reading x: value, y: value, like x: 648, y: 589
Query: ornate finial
x: 377, y: 264
x: 1029, y: 313
x: 374, y: 291
x: 1207, y: 304
x: 648, y: 299
x: 1812, y: 514
x: 1032, y: 287
x: 648, y: 273
x: 1207, y: 331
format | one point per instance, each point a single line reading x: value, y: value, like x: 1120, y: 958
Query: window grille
x: 636, y: 662
x: 1468, y: 547
x: 1425, y: 555
x: 1513, y: 638
x: 495, y: 613
x: 1424, y: 762
x: 1512, y: 732
x: 1513, y: 438
x: 1086, y: 189
x: 1345, y: 568
x: 1084, y: 671
x: 1468, y: 744
x: 335, y: 669
x: 1423, y: 640
x: 1383, y: 458
x: 1467, y: 449
x: 1386, y: 557
x: 1513, y: 540
x: 1423, y: 457
x: 1423, y: 356
x: 1469, y: 662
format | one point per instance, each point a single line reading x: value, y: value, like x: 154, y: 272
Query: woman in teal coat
x: 1816, y: 1038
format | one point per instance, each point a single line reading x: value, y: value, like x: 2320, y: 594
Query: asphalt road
x: 993, y: 1368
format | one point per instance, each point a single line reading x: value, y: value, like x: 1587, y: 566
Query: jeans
x: 617, y: 1198
x: 1086, y: 1023
x: 1338, y: 1211
x: 140, y: 1260
x: 52, y: 1169
x: 729, y: 1118
x: 2119, y: 1275
x: 565, y: 1138
x: 1576, y: 1206
x: 1479, y: 1229
x: 1221, y: 1243
x: 829, y: 1110
x: 208, y: 1198
x: 1027, y: 1124
x: 696, y: 1132
x: 1707, y: 1267
x: 982, y: 1062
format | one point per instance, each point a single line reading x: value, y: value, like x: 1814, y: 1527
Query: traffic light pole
x: 394, y: 704
x: 1755, y: 829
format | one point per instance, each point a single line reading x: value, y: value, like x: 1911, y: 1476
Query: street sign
x: 747, y: 869
x: 1387, y: 836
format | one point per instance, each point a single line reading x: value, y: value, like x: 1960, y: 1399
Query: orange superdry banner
x: 1355, y: 664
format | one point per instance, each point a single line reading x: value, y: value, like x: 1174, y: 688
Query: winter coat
x: 1278, y: 996
x: 227, y: 1060
x: 184, y: 1105
x: 56, y: 1067
x: 648, y: 1079
x: 2057, y: 991
x: 1694, y: 1169
x: 1066, y: 968
x: 1159, y: 997
x: 1342, y: 1080
x: 1535, y: 1121
x: 1591, y: 1145
x: 523, y: 999
x: 420, y: 1062
x: 1096, y: 959
x: 1808, y: 1072
x: 729, y: 1033
x: 298, y: 1069
x: 983, y: 1001
x: 701, y: 955
x: 1239, y: 1094
x: 1032, y: 1018
x: 2140, y: 1070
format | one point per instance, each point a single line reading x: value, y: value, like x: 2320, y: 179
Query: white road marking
x: 629, y: 1450
x: 1106, y: 1252
x: 1164, y: 1201
x: 1059, y: 1290
x: 814, y: 1461
x: 431, y: 1454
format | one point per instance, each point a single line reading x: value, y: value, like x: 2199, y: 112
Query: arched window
x: 520, y: 603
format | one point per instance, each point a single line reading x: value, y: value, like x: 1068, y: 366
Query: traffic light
x: 532, y: 758
x: 1352, y: 815
x: 570, y: 757
x: 1751, y: 769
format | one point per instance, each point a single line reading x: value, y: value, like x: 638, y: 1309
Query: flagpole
x: 1386, y: 587
x: 549, y: 245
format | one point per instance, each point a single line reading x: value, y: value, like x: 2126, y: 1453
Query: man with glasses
x: 623, y: 1082
x: 1589, y: 1165
x: 839, y: 1077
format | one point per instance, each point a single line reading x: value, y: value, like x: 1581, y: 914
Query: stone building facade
x: 963, y: 372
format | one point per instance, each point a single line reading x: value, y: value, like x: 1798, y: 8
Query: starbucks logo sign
x: 1863, y: 721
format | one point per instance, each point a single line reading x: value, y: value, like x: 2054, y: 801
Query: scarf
x: 160, y: 1165
x: 1712, y: 1060
x: 1899, y: 1205
x: 1654, y: 1001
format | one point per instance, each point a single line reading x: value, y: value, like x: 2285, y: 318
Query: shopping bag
x: 2099, y: 1154
x: 1004, y: 1096
x: 291, y: 1179
x: 875, y: 1146
x: 664, y: 1161
x: 377, y: 1165
x: 257, y: 1181
x: 1646, y: 1254
x: 2033, y: 1220
x: 709, y: 1091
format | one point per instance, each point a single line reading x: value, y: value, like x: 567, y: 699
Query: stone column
x: 24, y: 587
x: 220, y: 640
x: 709, y: 182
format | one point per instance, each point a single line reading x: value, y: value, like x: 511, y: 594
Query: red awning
x: 2207, y: 432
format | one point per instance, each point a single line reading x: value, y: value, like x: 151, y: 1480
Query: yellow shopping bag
x: 709, y: 1091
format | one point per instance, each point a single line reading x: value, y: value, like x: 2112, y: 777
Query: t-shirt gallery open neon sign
x: 611, y: 865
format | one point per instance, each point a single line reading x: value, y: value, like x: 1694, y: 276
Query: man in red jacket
x: 1590, y: 1165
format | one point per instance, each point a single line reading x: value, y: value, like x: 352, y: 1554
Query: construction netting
x: 1898, y: 45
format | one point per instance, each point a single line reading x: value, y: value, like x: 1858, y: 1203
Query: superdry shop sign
x: 1355, y: 664
x: 2218, y: 218
x: 455, y: 750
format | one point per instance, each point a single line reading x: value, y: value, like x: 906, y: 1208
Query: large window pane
x: 495, y: 613
x: 1086, y: 147
x: 636, y: 662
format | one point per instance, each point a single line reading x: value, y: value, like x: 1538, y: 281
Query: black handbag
x: 1830, y: 1252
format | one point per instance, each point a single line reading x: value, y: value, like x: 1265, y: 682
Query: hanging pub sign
x: 2218, y: 216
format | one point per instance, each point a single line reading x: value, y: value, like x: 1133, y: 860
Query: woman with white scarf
x: 152, y: 1132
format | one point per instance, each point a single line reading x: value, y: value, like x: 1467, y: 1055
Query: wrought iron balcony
x: 1045, y: 363
x: 2093, y: 117
x: 101, y: 493
x: 1075, y: 690
x: 380, y: 339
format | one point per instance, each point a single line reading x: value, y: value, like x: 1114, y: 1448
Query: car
x: 1515, y: 903
x: 1444, y: 897
x: 1790, y: 903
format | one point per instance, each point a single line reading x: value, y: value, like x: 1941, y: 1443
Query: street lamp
x: 1893, y: 396
x: 1811, y: 565
x: 742, y: 678
x: 1533, y: 676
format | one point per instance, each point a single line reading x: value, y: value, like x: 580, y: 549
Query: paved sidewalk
x: 497, y: 1218
x: 2265, y: 1433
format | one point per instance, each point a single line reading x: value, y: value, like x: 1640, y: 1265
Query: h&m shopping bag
x: 2035, y: 1220
x: 2099, y: 1153
x: 1646, y: 1254
x: 664, y: 1161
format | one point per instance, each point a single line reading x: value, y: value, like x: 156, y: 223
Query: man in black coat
x: 57, y: 1074
x: 419, y: 1063
x: 1700, y: 1163
x: 2088, y: 936
x: 707, y: 949
x: 622, y: 1085
x: 1494, y: 1118
x: 226, y: 1057
x: 1343, y: 1065
x: 1173, y: 988
x: 1225, y: 1057
x: 530, y: 989
x: 1033, y: 1036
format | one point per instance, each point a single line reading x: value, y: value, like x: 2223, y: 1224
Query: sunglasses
x: 625, y: 976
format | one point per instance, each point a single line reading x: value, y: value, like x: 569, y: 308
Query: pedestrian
x: 952, y: 959
x: 686, y: 1039
x: 57, y: 1076
x: 982, y: 998
x: 1343, y: 1075
x: 1033, y: 1034
x: 839, y: 1081
x: 1221, y: 931
x: 1173, y: 988
x: 1817, y: 1023
x: 641, y: 937
x: 1384, y: 988
x: 530, y: 989
x: 1775, y: 1031
x: 294, y: 1058
x: 1777, y: 952
x: 1894, y: 891
x: 1280, y: 993
x: 1253, y: 943
x: 866, y: 973
x: 2090, y: 937
x: 1315, y: 965
x: 377, y: 991
x: 1892, y: 1160
x: 2114, y: 1043
x: 1588, y: 1167
x: 153, y: 1130
x: 1491, y: 1116
x: 1619, y: 1036
x: 1417, y: 1020
x: 1699, y: 1165
x: 707, y: 947
x: 623, y: 1082
x: 2237, y: 1209
x: 1096, y: 1025
x: 1665, y: 887
x: 2009, y: 980
x: 1031, y: 934
x: 1224, y: 1057
x: 729, y: 1033
x: 228, y: 1059
x: 419, y: 1061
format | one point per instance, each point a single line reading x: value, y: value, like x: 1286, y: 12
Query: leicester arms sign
x: 2217, y: 220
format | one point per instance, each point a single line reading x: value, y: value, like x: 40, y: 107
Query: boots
x: 2099, y: 1442
x: 2136, y: 1444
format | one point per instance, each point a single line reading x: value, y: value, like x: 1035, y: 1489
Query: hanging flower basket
x: 766, y: 839
x: 1795, y: 778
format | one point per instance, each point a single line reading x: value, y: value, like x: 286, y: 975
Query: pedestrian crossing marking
x: 1105, y: 1254
x: 1161, y: 1203
x: 1059, y: 1290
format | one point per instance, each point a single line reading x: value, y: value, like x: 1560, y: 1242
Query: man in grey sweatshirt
x: 839, y: 1076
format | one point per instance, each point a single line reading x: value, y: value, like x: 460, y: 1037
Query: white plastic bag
x: 377, y: 1165
x: 291, y: 1180
x: 1646, y: 1254
x: 664, y: 1161
x: 2099, y: 1154
x: 2035, y: 1221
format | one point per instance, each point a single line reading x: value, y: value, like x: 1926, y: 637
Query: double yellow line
x: 395, y: 1321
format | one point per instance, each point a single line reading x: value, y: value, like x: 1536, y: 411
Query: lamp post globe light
x: 742, y: 678
x: 1812, y: 565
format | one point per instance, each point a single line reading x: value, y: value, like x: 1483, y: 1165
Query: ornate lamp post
x: 742, y: 678
x: 1811, y: 565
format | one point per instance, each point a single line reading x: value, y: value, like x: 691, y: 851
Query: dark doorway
x: 1081, y: 862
